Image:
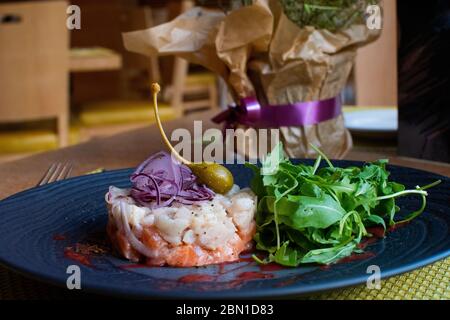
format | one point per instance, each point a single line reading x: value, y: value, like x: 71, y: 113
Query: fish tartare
x: 168, y: 218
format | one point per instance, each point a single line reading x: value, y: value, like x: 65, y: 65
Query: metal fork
x: 56, y: 172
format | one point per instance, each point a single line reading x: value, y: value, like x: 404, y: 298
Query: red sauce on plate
x: 377, y: 232
x: 197, y: 278
x: 366, y: 242
x: 271, y: 267
x: 81, y: 258
x: 251, y: 275
x: 243, y: 262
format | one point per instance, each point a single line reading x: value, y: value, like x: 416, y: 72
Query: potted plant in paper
x: 285, y: 63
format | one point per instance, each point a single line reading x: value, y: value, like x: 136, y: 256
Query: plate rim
x: 210, y: 295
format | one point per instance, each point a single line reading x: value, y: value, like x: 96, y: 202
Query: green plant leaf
x: 377, y: 220
x: 303, y: 212
x: 329, y: 255
x: 307, y: 214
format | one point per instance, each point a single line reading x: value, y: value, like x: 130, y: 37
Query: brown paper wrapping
x: 259, y: 51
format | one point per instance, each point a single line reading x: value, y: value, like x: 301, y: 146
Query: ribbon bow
x: 250, y: 113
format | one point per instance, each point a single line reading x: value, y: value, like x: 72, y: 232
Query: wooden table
x: 130, y: 148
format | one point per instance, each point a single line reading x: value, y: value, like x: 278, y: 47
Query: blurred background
x: 61, y: 87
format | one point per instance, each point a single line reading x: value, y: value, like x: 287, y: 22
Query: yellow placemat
x: 428, y: 283
x: 431, y: 282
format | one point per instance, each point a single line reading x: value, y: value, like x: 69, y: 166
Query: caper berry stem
x: 155, y: 90
x: 214, y: 175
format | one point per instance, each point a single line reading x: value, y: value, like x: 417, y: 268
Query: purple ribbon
x: 250, y: 113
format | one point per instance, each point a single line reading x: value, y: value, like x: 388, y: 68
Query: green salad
x: 313, y: 214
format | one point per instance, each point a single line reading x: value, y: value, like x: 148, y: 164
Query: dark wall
x: 424, y: 79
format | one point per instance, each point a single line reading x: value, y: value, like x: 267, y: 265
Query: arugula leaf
x: 266, y: 208
x: 256, y: 183
x: 308, y: 214
x: 300, y: 239
x: 303, y: 212
x: 377, y: 220
x: 329, y: 255
x: 323, y: 237
x: 287, y: 256
x: 311, y: 190
x: 271, y: 163
x: 266, y: 240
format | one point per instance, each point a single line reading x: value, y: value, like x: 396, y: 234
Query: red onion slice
x: 159, y: 181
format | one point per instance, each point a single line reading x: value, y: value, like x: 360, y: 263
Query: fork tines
x: 56, y: 172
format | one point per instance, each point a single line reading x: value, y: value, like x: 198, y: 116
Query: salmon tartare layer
x: 181, y: 235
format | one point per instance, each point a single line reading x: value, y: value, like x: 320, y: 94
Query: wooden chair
x: 132, y: 107
x: 185, y: 85
x: 34, y: 63
x: 102, y: 117
x: 202, y: 87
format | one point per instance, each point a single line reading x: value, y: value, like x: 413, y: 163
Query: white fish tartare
x: 182, y: 235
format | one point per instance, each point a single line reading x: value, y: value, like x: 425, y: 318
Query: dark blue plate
x: 38, y: 228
